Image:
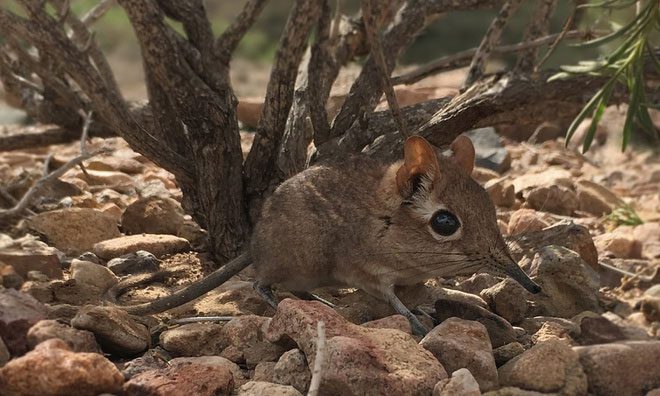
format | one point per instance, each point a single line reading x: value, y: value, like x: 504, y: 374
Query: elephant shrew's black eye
x: 444, y: 223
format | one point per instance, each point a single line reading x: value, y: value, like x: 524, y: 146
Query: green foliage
x: 623, y: 215
x: 624, y: 65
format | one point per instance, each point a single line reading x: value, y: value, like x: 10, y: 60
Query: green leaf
x: 638, y: 20
x: 586, y: 110
x: 576, y: 69
x: 598, y: 114
x: 559, y: 76
x: 630, y: 114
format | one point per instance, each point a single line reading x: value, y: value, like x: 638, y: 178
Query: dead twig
x: 87, y: 117
x: 44, y: 181
x: 560, y: 37
x: 490, y: 39
x: 461, y: 58
x: 369, y: 12
x: 537, y: 27
x: 319, y: 360
x: 97, y: 12
x: 229, y: 39
x: 83, y: 138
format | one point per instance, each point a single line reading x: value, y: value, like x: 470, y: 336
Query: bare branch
x: 260, y: 163
x: 369, y: 15
x: 490, y: 39
x: 97, y: 12
x: 48, y: 37
x: 411, y: 19
x: 85, y: 131
x: 319, y: 360
x: 229, y: 39
x: 461, y: 58
x: 560, y: 37
x: 82, y: 35
x: 41, y: 183
x: 537, y: 26
x: 379, y: 123
x: 336, y: 21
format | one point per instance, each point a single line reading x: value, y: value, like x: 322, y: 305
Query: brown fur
x: 349, y: 224
x: 364, y: 224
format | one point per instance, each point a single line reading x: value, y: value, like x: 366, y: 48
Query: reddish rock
x: 461, y: 383
x: 156, y: 244
x: 596, y: 199
x: 265, y: 371
x: 569, y: 235
x: 247, y: 342
x: 626, y: 368
x: 501, y: 192
x: 74, y: 229
x: 184, y: 379
x: 553, y: 198
x: 152, y: 215
x: 93, y: 275
x: 507, y: 299
x: 647, y: 236
x: 18, y: 312
x: 77, y: 340
x: 599, y: 330
x: 526, y: 220
x: 112, y: 163
x: 360, y: 360
x: 619, y: 243
x: 237, y: 373
x: 195, y: 339
x: 500, y: 331
x: 397, y: 322
x: 260, y: 388
x: 52, y: 369
x: 569, y: 285
x: 550, y: 366
x: 458, y: 344
x: 292, y: 369
x: 42, y: 259
x: 153, y: 359
x: 116, y: 331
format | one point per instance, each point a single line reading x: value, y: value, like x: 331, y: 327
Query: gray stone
x: 569, y: 285
x: 133, y: 263
x: 490, y: 153
x: 507, y: 352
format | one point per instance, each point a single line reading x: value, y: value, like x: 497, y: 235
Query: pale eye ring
x: 444, y: 223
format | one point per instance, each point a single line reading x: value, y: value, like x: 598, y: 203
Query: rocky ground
x: 586, y: 228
